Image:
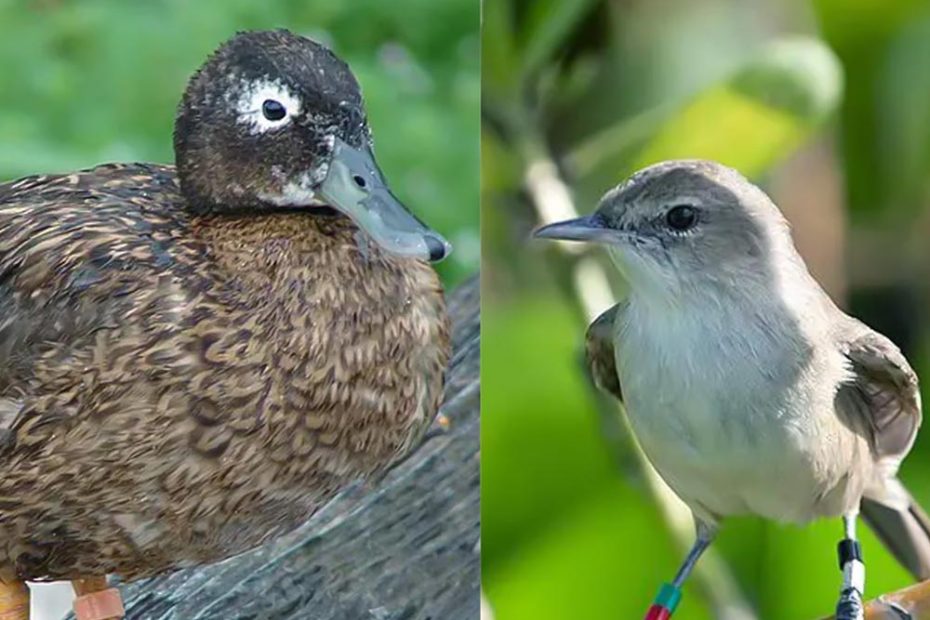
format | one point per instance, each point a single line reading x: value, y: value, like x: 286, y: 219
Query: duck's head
x: 274, y: 120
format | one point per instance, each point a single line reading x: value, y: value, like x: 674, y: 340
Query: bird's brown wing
x: 883, y: 395
x: 599, y: 351
x: 882, y: 401
x: 77, y: 254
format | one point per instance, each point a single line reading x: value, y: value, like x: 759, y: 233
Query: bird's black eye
x: 273, y: 110
x: 681, y: 217
x: 359, y: 180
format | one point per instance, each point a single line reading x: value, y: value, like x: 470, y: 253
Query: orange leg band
x: 14, y: 600
x: 96, y: 601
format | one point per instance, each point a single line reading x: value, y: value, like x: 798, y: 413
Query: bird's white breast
x: 737, y: 418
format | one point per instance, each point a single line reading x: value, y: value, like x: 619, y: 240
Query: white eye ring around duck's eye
x: 266, y: 106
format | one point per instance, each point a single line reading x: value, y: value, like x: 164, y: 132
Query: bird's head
x: 276, y: 121
x: 682, y: 225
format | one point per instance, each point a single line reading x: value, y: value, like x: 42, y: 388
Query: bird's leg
x: 14, y: 599
x: 850, y: 606
x: 665, y: 602
x: 96, y: 601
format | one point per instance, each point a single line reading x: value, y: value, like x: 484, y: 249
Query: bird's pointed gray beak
x: 590, y: 228
x: 355, y: 186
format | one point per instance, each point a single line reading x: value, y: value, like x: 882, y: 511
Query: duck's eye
x: 359, y: 180
x: 681, y: 217
x: 273, y: 110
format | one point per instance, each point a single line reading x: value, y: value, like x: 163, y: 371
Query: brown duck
x: 196, y: 358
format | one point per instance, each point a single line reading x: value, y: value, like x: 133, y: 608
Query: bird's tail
x: 902, y: 526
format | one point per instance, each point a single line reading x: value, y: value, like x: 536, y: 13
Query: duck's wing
x: 882, y: 399
x: 76, y: 251
x: 599, y: 351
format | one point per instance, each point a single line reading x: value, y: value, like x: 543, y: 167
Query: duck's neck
x: 294, y: 259
x: 261, y: 251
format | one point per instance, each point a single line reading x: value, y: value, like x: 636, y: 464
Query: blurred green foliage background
x: 826, y: 103
x: 98, y: 80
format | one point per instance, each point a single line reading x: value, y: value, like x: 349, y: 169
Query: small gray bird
x: 748, y: 389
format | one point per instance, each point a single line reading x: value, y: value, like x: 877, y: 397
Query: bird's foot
x: 850, y: 606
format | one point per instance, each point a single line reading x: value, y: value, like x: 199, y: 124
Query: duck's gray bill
x: 355, y: 186
x: 587, y: 228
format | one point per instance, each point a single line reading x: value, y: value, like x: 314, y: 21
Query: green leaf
x: 848, y: 23
x: 500, y: 67
x: 749, y: 121
x: 903, y: 94
x: 546, y: 28
x: 868, y: 36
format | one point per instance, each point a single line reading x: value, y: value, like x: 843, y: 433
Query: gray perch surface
x: 404, y: 550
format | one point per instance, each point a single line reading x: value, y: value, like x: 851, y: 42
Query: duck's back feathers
x: 74, y: 252
x: 98, y: 230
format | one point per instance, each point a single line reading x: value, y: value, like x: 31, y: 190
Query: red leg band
x: 658, y: 612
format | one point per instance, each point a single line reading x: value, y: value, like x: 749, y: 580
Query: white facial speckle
x: 254, y: 94
x: 297, y: 193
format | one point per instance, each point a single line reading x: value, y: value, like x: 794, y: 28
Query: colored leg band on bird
x: 850, y: 556
x: 850, y: 606
x: 849, y: 550
x: 657, y: 612
x: 665, y: 602
x: 854, y: 576
x: 100, y: 605
x: 14, y: 601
